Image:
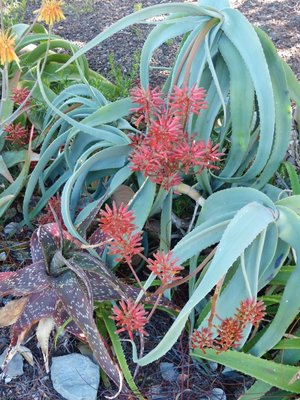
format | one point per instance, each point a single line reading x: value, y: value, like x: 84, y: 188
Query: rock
x: 3, y: 256
x: 15, y: 367
x: 213, y: 365
x: 217, y: 394
x: 75, y: 377
x: 9, y: 228
x: 168, y: 372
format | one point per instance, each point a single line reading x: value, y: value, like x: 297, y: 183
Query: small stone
x: 9, y: 228
x: 217, y: 394
x: 15, y: 367
x: 168, y: 372
x: 3, y: 256
x: 75, y: 377
x: 213, y: 365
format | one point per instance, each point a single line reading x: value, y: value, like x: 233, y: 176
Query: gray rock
x: 9, y: 228
x: 213, y: 365
x: 75, y: 377
x: 3, y: 256
x: 168, y: 372
x: 217, y: 394
x: 15, y: 367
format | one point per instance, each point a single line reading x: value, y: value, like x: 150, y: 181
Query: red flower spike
x: 117, y: 222
x: 20, y: 95
x: 166, y: 129
x: 202, y: 339
x: 164, y: 267
x: 149, y: 101
x: 197, y: 154
x: 130, y: 317
x: 118, y: 225
x: 126, y: 247
x: 17, y: 134
x: 211, y: 154
x: 230, y: 333
x: 250, y: 311
x: 184, y: 101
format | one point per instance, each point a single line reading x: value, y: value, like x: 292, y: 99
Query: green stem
x: 111, y: 328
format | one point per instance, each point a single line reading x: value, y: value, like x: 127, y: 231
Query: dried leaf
x: 27, y: 354
x: 43, y: 331
x: 11, y: 312
x: 12, y: 350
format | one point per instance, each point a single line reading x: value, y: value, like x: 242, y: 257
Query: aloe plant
x: 253, y: 235
x: 33, y: 45
x: 62, y: 283
x: 226, y: 55
x: 216, y: 55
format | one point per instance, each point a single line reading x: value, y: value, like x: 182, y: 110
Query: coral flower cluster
x: 17, y: 134
x: 125, y: 241
x: 19, y: 95
x: 50, y: 12
x: 230, y: 331
x: 7, y: 50
x: 118, y: 225
x: 130, y: 317
x: 164, y: 267
x: 167, y: 151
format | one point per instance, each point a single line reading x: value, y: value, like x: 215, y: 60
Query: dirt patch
x: 86, y: 18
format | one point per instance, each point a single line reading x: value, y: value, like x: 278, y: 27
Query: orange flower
x: 50, y: 12
x: 7, y: 51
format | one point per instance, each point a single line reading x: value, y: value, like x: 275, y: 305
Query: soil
x: 85, y: 19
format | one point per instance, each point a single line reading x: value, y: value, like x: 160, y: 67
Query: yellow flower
x: 7, y: 51
x: 50, y: 11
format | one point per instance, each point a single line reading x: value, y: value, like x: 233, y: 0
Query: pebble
x: 15, y: 367
x: 9, y: 228
x: 213, y: 365
x: 75, y: 377
x: 217, y: 394
x: 168, y: 372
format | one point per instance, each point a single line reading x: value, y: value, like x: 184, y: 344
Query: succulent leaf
x: 25, y: 281
x: 77, y: 304
x: 38, y: 306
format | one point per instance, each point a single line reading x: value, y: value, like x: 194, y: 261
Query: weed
x: 14, y: 11
x: 120, y: 78
x: 137, y: 7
